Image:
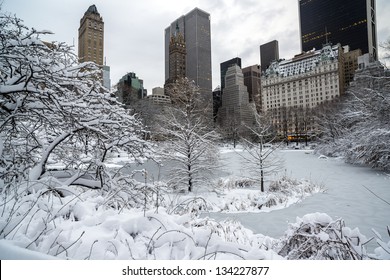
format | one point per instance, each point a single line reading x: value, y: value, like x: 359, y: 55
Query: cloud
x: 134, y: 30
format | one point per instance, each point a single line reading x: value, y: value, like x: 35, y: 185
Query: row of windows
x: 95, y: 24
x: 308, y: 104
x: 333, y: 67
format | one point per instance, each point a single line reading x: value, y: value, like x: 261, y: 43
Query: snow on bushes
x: 77, y: 223
x: 318, y: 237
x: 280, y: 194
x: 83, y: 226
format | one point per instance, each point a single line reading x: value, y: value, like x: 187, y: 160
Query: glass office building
x: 348, y: 22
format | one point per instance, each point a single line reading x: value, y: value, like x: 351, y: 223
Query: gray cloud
x: 134, y: 30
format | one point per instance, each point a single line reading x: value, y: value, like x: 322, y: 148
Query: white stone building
x: 292, y: 88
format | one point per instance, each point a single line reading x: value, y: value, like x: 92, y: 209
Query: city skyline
x: 136, y: 43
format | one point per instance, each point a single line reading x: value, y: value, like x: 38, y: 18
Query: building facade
x: 106, y: 77
x: 217, y: 102
x: 269, y: 52
x: 224, y: 66
x: 350, y: 65
x: 346, y: 22
x: 177, y: 59
x: 195, y: 26
x: 91, y: 42
x: 252, y: 81
x: 130, y: 89
x: 91, y: 37
x: 292, y: 88
x: 236, y: 112
x: 177, y: 56
x: 158, y: 96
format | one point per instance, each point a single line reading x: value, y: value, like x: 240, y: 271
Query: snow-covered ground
x: 350, y: 193
x: 237, y: 221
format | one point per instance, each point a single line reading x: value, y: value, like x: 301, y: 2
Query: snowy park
x: 222, y: 221
x: 82, y: 177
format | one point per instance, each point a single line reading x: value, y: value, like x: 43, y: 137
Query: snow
x: 81, y: 226
x: 62, y: 199
x: 10, y: 251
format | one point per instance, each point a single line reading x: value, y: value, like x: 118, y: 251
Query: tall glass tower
x: 196, y: 29
x: 348, y: 22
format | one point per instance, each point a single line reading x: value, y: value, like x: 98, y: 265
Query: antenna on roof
x: 326, y: 34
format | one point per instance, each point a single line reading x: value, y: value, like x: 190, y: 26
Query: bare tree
x: 231, y: 129
x: 261, y: 158
x: 189, y: 137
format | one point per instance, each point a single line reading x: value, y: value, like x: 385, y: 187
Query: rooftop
x: 92, y: 10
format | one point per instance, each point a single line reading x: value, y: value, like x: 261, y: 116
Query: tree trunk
x: 189, y: 169
x: 262, y: 180
x: 189, y: 178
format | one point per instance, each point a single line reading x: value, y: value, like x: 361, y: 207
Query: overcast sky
x: 134, y: 29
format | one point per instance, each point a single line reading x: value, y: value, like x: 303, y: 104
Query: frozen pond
x: 346, y: 195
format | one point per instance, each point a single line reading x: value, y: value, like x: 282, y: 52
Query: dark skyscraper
x: 196, y: 29
x: 252, y: 81
x: 224, y: 67
x: 348, y: 22
x: 268, y: 52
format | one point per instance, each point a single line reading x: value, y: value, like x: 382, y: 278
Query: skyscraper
x: 177, y: 59
x: 269, y: 52
x: 196, y: 29
x: 348, y: 22
x: 91, y: 42
x: 236, y: 110
x: 224, y: 67
x: 130, y: 90
x: 91, y: 36
x: 252, y: 81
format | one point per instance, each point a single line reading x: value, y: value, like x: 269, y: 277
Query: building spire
x: 177, y: 29
x: 326, y: 34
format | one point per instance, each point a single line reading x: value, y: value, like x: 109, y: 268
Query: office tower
x: 130, y: 90
x: 177, y: 58
x: 236, y: 111
x: 91, y: 36
x: 196, y: 29
x: 224, y: 67
x: 348, y: 22
x: 269, y: 52
x: 106, y: 77
x: 252, y: 82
